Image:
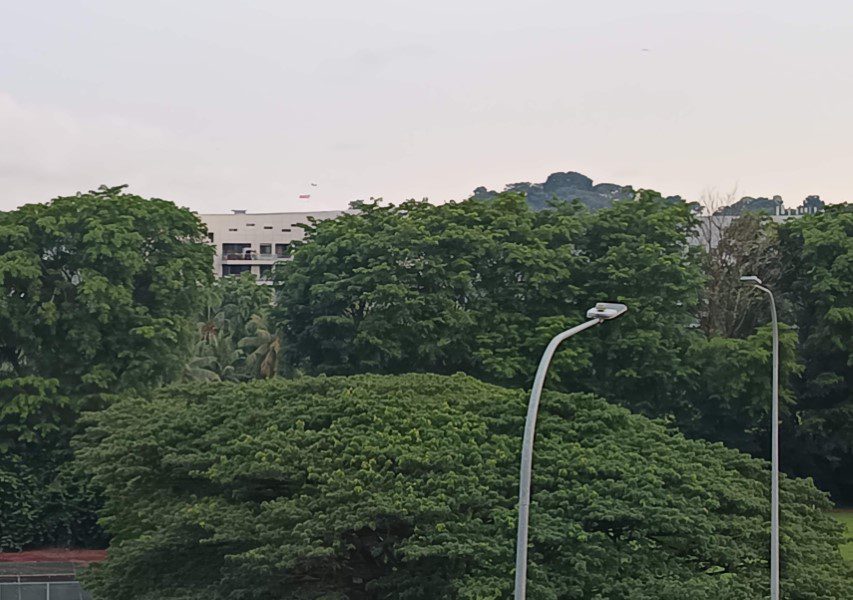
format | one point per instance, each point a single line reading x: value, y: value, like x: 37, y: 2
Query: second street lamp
x: 774, y: 444
x: 603, y: 311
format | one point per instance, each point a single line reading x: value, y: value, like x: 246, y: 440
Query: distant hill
x: 571, y: 186
x: 567, y: 187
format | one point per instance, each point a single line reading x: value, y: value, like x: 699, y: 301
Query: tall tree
x: 637, y: 252
x: 728, y: 397
x: 262, y: 347
x: 467, y: 286
x: 99, y: 289
x: 98, y: 294
x: 817, y: 254
x: 749, y: 245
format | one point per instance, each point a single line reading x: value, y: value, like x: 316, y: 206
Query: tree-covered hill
x: 570, y: 185
x: 404, y: 487
x: 567, y: 187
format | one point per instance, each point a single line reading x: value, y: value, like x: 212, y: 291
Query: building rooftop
x: 47, y: 564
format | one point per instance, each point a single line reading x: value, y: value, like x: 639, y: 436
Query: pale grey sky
x: 219, y: 105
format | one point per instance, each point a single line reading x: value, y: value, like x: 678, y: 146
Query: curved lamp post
x: 774, y: 444
x: 603, y: 311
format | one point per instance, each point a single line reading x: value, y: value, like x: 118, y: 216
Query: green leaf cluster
x: 97, y: 289
x: 729, y: 398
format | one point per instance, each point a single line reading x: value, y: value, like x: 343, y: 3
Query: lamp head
x: 751, y: 279
x: 606, y: 311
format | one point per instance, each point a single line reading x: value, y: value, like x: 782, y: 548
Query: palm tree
x: 262, y: 347
x: 214, y: 359
x: 214, y: 324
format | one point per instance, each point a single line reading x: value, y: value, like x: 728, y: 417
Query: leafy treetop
x: 379, y: 487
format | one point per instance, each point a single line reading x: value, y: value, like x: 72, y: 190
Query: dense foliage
x: 97, y: 296
x: 481, y: 286
x: 808, y: 262
x: 404, y: 487
x: 728, y: 399
x: 817, y: 283
x: 235, y: 341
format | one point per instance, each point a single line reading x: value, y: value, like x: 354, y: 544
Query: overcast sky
x: 219, y: 105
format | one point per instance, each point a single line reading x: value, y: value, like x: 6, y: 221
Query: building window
x: 266, y: 248
x: 250, y: 224
x: 285, y: 229
x: 265, y: 273
x: 210, y: 236
x: 267, y: 226
x: 230, y: 270
x: 235, y: 251
x: 282, y: 250
x: 232, y: 229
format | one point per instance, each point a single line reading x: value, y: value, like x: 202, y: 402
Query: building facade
x: 711, y: 227
x: 253, y: 243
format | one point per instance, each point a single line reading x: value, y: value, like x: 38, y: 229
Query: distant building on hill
x: 253, y: 243
x: 570, y: 186
x: 772, y: 206
x: 711, y: 227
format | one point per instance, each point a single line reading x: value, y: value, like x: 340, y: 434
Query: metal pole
x: 774, y: 456
x: 527, y: 456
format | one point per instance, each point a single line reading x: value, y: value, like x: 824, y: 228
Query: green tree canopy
x: 807, y: 262
x: 481, y: 286
x: 637, y: 251
x: 729, y: 398
x: 98, y: 294
x: 404, y: 487
x: 99, y: 289
x: 817, y: 283
x: 417, y: 286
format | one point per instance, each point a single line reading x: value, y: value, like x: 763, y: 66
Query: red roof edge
x: 73, y: 555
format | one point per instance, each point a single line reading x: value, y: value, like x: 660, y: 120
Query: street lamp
x: 774, y: 445
x: 603, y: 311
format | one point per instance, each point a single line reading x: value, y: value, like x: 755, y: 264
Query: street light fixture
x: 774, y: 444
x: 603, y: 311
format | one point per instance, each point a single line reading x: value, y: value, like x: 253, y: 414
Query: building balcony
x: 253, y: 259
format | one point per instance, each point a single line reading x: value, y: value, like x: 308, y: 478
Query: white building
x: 255, y: 242
x: 711, y: 227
